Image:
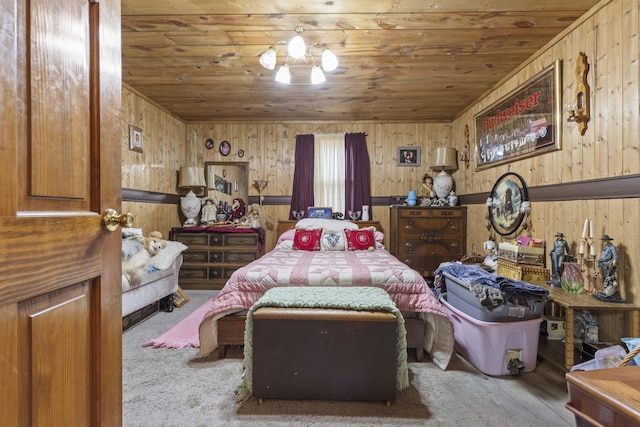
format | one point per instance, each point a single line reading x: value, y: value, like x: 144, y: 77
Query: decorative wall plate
x: 209, y: 143
x: 507, y: 196
x: 225, y: 148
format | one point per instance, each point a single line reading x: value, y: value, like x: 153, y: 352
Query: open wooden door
x: 60, y: 286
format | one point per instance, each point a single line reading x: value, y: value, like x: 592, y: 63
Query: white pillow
x: 165, y: 257
x: 329, y: 225
x: 331, y: 241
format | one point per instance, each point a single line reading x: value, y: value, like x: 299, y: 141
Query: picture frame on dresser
x: 180, y: 297
x: 316, y: 212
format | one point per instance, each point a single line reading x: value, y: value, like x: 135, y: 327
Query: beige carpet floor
x: 164, y: 387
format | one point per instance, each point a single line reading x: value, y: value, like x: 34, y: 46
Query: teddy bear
x: 137, y: 253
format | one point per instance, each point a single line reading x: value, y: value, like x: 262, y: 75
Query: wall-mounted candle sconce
x: 579, y: 111
x: 464, y: 155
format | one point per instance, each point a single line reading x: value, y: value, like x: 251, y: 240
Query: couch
x: 152, y: 288
x: 150, y: 275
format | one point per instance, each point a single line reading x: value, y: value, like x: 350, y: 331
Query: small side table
x: 584, y: 301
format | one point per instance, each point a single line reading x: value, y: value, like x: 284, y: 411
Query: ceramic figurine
x: 557, y: 254
x: 453, y: 199
x: 608, y: 264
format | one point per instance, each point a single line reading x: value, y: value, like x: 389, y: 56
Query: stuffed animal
x: 136, y: 256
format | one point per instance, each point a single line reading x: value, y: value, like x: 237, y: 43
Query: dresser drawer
x: 192, y: 272
x: 195, y: 256
x: 431, y: 228
x: 232, y: 256
x: 221, y: 272
x: 431, y: 213
x: 192, y: 238
x: 431, y: 246
x: 241, y: 240
x: 240, y: 257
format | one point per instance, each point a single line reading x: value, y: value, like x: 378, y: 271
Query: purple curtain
x: 302, y: 194
x: 357, y: 173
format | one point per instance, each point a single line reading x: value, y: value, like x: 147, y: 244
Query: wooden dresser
x: 424, y: 237
x: 215, y: 253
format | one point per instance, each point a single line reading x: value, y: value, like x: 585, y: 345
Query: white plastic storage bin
x: 490, y: 345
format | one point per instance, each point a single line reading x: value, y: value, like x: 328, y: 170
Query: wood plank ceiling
x: 409, y: 61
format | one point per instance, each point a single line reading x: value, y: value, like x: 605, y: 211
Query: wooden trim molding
x: 597, y: 189
x: 622, y: 187
x: 131, y: 195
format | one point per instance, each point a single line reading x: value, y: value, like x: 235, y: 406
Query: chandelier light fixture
x: 297, y: 50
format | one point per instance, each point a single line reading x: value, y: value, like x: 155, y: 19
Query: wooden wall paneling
x: 614, y: 85
x: 631, y: 87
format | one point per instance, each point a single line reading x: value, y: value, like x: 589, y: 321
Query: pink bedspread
x: 284, y: 267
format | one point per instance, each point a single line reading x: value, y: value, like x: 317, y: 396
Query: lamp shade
x: 268, y: 58
x: 443, y: 159
x: 192, y: 176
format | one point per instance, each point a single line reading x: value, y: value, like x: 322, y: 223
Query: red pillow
x: 307, y: 240
x: 360, y: 240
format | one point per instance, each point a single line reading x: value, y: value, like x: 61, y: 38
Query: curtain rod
x: 365, y: 134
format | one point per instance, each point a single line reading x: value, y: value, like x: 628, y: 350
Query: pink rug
x: 185, y: 333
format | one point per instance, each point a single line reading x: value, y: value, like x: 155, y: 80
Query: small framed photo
x: 180, y: 298
x: 135, y: 138
x: 408, y: 156
x: 314, y: 212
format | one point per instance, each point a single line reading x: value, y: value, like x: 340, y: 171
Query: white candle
x: 584, y: 229
x: 581, y: 250
x: 593, y: 249
x: 591, y: 229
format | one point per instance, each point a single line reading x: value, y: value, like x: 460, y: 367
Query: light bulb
x: 283, y: 75
x: 268, y: 58
x: 317, y: 76
x: 296, y: 47
x: 329, y: 60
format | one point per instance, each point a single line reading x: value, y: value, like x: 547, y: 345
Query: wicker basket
x: 629, y: 357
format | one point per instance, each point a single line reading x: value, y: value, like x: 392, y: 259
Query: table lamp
x: 443, y: 159
x: 191, y: 177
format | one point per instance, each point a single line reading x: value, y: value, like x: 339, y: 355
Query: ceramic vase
x: 365, y: 212
x: 190, y: 206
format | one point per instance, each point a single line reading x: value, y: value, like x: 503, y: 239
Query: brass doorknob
x: 112, y: 219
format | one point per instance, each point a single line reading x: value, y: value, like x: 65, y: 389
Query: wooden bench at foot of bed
x: 231, y: 332
x: 324, y: 354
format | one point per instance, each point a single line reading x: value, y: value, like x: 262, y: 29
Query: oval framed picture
x: 240, y: 153
x: 225, y: 148
x: 209, y: 143
x: 507, y: 196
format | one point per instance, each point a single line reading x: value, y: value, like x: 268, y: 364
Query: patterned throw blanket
x: 345, y: 298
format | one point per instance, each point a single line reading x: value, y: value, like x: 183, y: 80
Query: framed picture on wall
x: 526, y: 122
x: 135, y: 139
x: 408, y: 156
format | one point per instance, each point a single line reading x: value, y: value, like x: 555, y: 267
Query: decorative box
x: 552, y: 328
x: 521, y: 254
x: 524, y: 272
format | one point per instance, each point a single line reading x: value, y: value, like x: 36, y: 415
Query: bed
x: 324, y: 253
